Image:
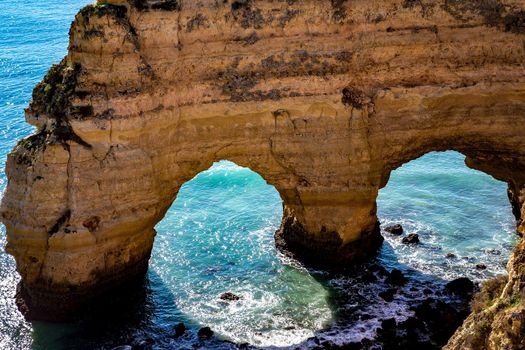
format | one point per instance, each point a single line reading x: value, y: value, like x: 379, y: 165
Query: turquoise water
x: 218, y: 237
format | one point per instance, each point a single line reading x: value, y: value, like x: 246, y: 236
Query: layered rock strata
x: 322, y: 98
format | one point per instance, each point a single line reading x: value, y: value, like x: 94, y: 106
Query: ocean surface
x: 218, y: 237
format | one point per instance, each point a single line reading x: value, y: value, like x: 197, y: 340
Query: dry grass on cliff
x: 490, y: 290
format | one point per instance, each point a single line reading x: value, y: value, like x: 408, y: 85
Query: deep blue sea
x: 218, y: 237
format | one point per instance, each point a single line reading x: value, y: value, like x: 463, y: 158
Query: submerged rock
x: 396, y: 229
x: 441, y: 318
x: 396, y: 278
x: 460, y: 286
x: 388, y: 295
x: 229, y: 296
x: 481, y: 266
x: 179, y: 329
x: 412, y: 238
x: 205, y: 332
x: 388, y: 324
x: 380, y: 270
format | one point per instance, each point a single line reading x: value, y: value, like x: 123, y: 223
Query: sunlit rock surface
x: 322, y: 98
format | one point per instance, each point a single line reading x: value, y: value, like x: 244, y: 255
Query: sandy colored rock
x: 322, y: 98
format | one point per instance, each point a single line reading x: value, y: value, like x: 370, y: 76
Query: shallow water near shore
x: 218, y: 237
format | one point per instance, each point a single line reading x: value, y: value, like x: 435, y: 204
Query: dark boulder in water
x: 412, y: 238
x: 380, y: 270
x: 481, y: 266
x: 179, y: 329
x: 388, y: 295
x: 412, y: 326
x: 460, y: 286
x: 494, y: 251
x: 396, y: 278
x: 388, y: 324
x: 364, y: 317
x: 205, y: 332
x: 369, y: 278
x: 229, y: 296
x: 441, y: 318
x: 396, y: 229
x: 451, y: 256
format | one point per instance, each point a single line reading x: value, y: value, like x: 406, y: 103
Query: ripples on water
x: 218, y: 237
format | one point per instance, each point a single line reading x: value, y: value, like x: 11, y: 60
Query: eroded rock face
x: 322, y: 98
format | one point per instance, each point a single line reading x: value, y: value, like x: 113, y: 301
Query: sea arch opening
x: 462, y: 217
x: 218, y: 237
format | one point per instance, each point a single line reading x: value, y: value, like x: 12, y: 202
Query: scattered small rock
x: 396, y: 278
x: 388, y: 295
x: 365, y: 317
x: 460, y: 286
x: 481, y: 266
x: 381, y: 271
x: 369, y: 278
x: 180, y: 329
x: 451, y: 256
x: 412, y: 238
x: 205, y: 332
x: 388, y: 324
x: 396, y: 229
x: 442, y: 319
x: 229, y: 296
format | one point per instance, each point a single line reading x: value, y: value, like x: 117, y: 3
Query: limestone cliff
x: 322, y: 98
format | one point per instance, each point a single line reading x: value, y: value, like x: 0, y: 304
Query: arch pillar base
x: 325, y: 249
x: 40, y: 304
x: 47, y: 298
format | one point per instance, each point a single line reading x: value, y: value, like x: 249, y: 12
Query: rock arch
x: 321, y: 98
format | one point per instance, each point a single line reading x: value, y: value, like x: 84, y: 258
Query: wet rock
x: 205, y: 332
x: 494, y: 251
x: 179, y: 329
x: 440, y: 318
x: 365, y: 317
x: 387, y: 334
x: 380, y: 270
x: 468, y: 258
x: 229, y: 296
x: 369, y: 278
x: 389, y: 324
x: 396, y: 229
x: 461, y: 286
x: 388, y: 295
x: 396, y: 278
x: 451, y: 256
x: 412, y: 238
x: 411, y: 325
x: 427, y: 291
x: 481, y: 267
